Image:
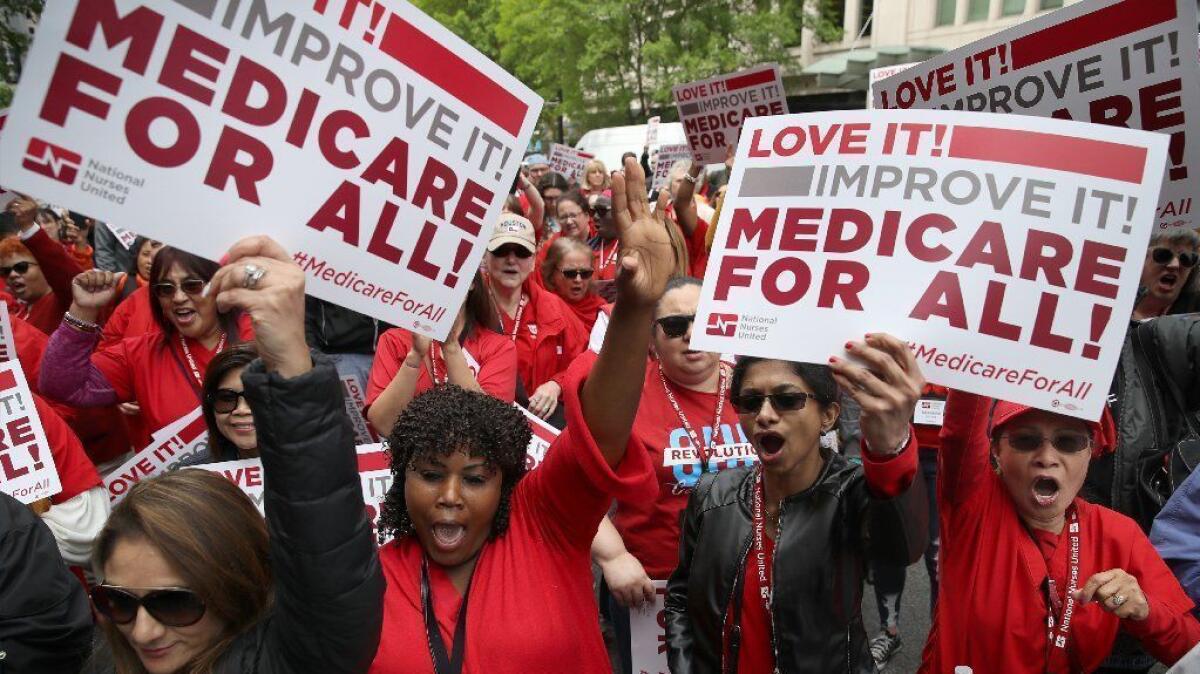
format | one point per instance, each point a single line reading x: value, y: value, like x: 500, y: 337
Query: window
x: 945, y: 12
x: 1051, y: 4
x: 1013, y: 7
x: 977, y: 10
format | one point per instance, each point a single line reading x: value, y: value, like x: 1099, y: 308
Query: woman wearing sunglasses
x: 773, y: 557
x: 132, y: 316
x: 567, y: 271
x: 231, y: 432
x: 1036, y: 579
x: 163, y: 371
x: 37, y: 270
x: 544, y: 329
x: 191, y: 579
x: 474, y: 357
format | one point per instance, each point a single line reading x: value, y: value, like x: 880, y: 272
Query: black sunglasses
x: 225, y: 400
x: 1159, y: 255
x: 573, y: 274
x: 20, y: 268
x: 171, y: 606
x: 513, y: 249
x: 676, y: 326
x: 190, y: 286
x: 1067, y: 443
x: 787, y: 401
x: 600, y: 211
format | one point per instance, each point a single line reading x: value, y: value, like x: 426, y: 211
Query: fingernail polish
x: 849, y: 346
x: 833, y: 359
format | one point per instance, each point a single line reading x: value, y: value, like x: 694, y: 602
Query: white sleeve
x: 76, y: 522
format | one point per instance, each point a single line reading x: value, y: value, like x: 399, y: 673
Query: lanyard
x: 438, y: 378
x: 760, y: 551
x: 443, y: 664
x: 187, y: 353
x: 610, y: 258
x: 1059, y: 626
x: 722, y: 388
x: 500, y: 312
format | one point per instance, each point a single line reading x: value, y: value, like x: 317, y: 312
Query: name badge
x: 929, y: 412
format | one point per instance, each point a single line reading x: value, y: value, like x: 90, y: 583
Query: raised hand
x: 94, y: 290
x: 887, y: 388
x: 647, y: 258
x: 24, y: 209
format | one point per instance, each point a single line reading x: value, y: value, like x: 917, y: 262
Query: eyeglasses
x: 225, y: 400
x: 1160, y: 255
x: 600, y: 211
x: 171, y: 606
x: 676, y: 326
x: 513, y: 249
x: 572, y: 216
x: 190, y: 286
x: 573, y: 274
x: 786, y: 401
x: 20, y: 268
x: 1067, y: 443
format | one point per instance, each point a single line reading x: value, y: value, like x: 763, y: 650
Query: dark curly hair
x: 818, y: 377
x: 446, y: 419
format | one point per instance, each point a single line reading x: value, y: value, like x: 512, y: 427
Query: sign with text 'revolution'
x: 1129, y: 63
x: 370, y: 141
x: 1007, y: 250
x: 27, y: 470
x: 712, y: 111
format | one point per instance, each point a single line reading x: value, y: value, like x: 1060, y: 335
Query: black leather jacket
x: 827, y: 533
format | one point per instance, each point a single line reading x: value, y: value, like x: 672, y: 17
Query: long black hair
x: 233, y: 358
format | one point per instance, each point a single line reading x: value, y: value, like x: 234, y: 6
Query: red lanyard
x: 610, y: 258
x: 760, y: 550
x: 187, y: 353
x: 500, y: 312
x: 722, y: 388
x: 438, y: 378
x: 1059, y: 629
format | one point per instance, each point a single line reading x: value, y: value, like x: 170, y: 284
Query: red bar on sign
x: 373, y: 461
x: 7, y: 380
x: 1123, y: 18
x: 750, y: 79
x: 1098, y: 158
x: 429, y: 59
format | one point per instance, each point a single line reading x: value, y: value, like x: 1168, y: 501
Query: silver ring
x: 254, y: 274
x: 1117, y: 600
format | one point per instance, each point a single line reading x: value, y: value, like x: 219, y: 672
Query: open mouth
x: 1045, y: 491
x: 1167, y: 281
x: 769, y: 444
x: 448, y: 536
x: 184, y: 316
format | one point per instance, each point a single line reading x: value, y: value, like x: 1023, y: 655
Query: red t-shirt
x: 491, y: 356
x: 532, y: 608
x: 606, y: 258
x: 696, y: 243
x: 756, y: 654
x: 131, y: 318
x: 994, y: 620
x: 75, y: 470
x: 649, y: 524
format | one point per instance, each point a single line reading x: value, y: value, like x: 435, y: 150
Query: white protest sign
x: 713, y: 110
x: 372, y: 143
x: 664, y: 160
x: 356, y: 400
x: 652, y: 131
x: 8, y: 343
x: 5, y: 195
x: 880, y: 74
x: 179, y: 440
x: 568, y: 161
x: 648, y: 633
x: 543, y: 436
x: 27, y: 471
x: 1005, y: 249
x: 1129, y: 63
x: 124, y: 236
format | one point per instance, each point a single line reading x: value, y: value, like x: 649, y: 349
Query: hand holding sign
x: 886, y: 389
x: 628, y: 582
x: 647, y: 259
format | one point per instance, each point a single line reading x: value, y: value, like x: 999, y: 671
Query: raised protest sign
x: 543, y: 436
x: 124, y: 236
x: 713, y: 110
x: 356, y: 401
x: 881, y: 74
x: 1129, y: 63
x: 1006, y: 249
x: 374, y: 144
x: 648, y: 633
x: 664, y: 160
x: 568, y: 161
x: 27, y: 471
x: 180, y: 440
x: 8, y: 343
x: 5, y: 195
x: 652, y: 131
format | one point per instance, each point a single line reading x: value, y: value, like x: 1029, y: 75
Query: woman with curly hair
x: 489, y: 567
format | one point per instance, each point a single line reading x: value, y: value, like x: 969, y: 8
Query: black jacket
x: 328, y: 607
x: 827, y: 533
x: 45, y: 619
x: 330, y: 328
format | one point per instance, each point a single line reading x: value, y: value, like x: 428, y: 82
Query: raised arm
x: 68, y: 374
x: 685, y: 203
x: 58, y: 266
x: 611, y: 394
x: 537, y: 206
x: 963, y: 455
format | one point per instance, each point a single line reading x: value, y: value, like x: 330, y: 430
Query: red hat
x: 1104, y: 431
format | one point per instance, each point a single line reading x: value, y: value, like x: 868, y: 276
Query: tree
x: 14, y: 38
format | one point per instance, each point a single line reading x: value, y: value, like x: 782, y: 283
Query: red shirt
x: 532, y: 608
x: 649, y: 524
x: 606, y: 258
x: 494, y: 356
x: 60, y: 269
x: 697, y: 247
x: 131, y: 318
x: 993, y: 614
x: 75, y: 471
x: 756, y: 653
x: 548, y: 337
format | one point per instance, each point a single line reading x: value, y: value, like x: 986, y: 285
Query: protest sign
x: 356, y: 401
x: 648, y: 633
x: 543, y: 436
x: 713, y: 110
x: 664, y: 160
x: 881, y: 74
x: 8, y: 343
x: 179, y: 440
x: 1129, y: 63
x: 27, y: 470
x: 568, y: 161
x: 652, y: 131
x: 370, y: 141
x: 124, y: 236
x: 5, y: 195
x: 1006, y: 249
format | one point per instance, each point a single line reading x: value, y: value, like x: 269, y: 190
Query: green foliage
x: 14, y: 43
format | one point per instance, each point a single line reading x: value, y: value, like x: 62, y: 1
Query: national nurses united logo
x: 52, y: 161
x: 722, y: 325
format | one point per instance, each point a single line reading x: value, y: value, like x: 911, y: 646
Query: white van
x: 610, y: 143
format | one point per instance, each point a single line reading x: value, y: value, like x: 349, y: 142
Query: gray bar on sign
x: 689, y: 109
x: 204, y: 8
x: 785, y: 181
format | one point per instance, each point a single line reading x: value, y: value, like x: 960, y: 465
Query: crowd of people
x: 766, y: 494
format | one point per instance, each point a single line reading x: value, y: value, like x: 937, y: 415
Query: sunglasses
x: 780, y: 402
x: 676, y: 326
x: 225, y: 400
x: 1066, y: 443
x: 600, y: 211
x: 1160, y: 255
x: 573, y: 274
x: 190, y: 286
x: 20, y: 268
x: 171, y: 606
x: 513, y: 249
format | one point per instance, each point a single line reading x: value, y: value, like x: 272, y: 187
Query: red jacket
x: 548, y: 338
x: 992, y: 612
x: 60, y: 269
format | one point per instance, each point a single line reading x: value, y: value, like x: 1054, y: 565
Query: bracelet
x: 80, y: 324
